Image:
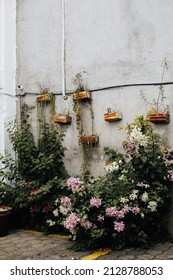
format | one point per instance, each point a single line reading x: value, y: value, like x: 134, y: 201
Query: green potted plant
x: 159, y: 112
x: 5, y: 212
x: 81, y: 92
x: 112, y: 116
x: 6, y: 197
x: 62, y: 119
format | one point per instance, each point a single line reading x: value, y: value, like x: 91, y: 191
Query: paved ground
x: 28, y: 245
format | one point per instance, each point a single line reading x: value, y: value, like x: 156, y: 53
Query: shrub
x: 128, y: 205
x: 38, y: 166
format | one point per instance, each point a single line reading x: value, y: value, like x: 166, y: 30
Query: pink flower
x: 71, y: 222
x: 119, y: 214
x: 142, y: 185
x: 33, y: 210
x: 135, y: 210
x: 170, y: 172
x: 126, y: 209
x: 95, y: 202
x: 32, y: 192
x: 65, y: 201
x: 119, y: 226
x: 100, y: 218
x: 86, y: 224
x: 111, y: 211
x: 73, y: 182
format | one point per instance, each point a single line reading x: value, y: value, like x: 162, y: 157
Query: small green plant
x: 78, y: 82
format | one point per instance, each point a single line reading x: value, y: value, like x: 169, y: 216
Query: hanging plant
x: 112, y: 116
x: 159, y: 112
x: 89, y: 139
x: 82, y: 95
x: 77, y: 96
x: 159, y: 118
x: 43, y: 99
x: 62, y: 119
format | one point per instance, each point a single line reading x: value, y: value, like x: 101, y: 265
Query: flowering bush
x: 128, y: 205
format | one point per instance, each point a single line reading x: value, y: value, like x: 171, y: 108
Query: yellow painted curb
x: 58, y: 236
x: 97, y: 254
x: 30, y: 231
x: 92, y: 256
x: 41, y: 233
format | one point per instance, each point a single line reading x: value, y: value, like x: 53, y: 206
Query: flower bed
x: 128, y: 206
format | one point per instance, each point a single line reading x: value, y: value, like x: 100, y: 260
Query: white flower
x: 63, y: 210
x: 56, y: 213
x: 138, y: 137
x: 124, y: 200
x: 142, y: 215
x: 50, y: 222
x: 113, y: 166
x: 152, y: 205
x: 56, y: 201
x: 144, y: 197
x: 124, y: 171
x: 123, y: 178
x: 133, y: 195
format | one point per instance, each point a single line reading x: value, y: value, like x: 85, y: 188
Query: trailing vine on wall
x: 82, y: 98
x: 45, y: 108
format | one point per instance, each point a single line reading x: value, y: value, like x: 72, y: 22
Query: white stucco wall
x: 7, y: 68
x: 116, y: 42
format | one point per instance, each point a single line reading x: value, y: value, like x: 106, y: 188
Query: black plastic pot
x: 5, y: 212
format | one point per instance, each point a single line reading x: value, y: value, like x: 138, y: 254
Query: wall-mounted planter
x: 89, y: 139
x: 62, y: 119
x: 159, y: 118
x: 83, y: 95
x: 45, y: 97
x: 113, y: 117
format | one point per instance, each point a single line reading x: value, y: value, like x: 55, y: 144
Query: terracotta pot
x: 62, y: 119
x: 83, y: 95
x: 113, y: 117
x: 5, y: 212
x: 45, y: 97
x: 89, y: 139
x: 159, y: 118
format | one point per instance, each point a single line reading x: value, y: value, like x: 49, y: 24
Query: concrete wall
x: 116, y: 42
x: 7, y: 69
